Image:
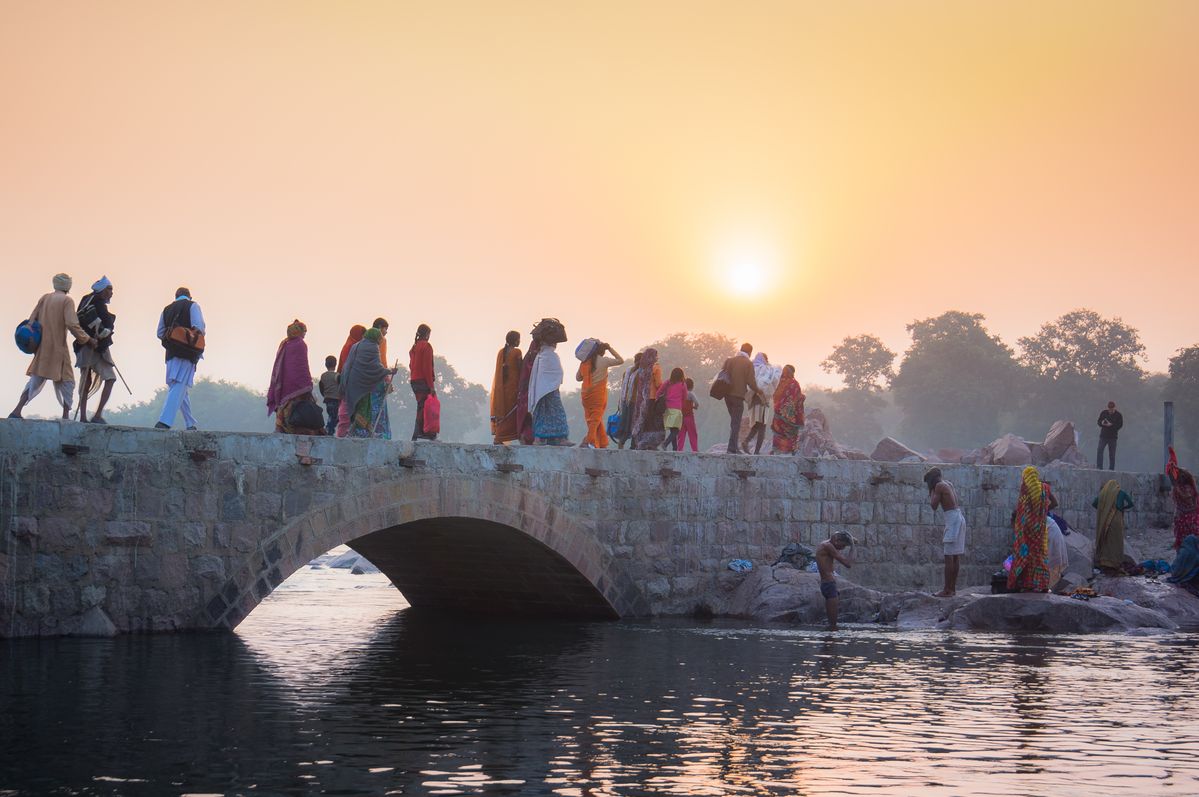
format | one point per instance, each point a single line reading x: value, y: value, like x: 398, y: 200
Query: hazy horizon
x: 785, y: 173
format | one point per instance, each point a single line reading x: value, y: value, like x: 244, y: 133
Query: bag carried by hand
x: 432, y: 417
x: 28, y: 336
x: 720, y: 385
x: 614, y: 421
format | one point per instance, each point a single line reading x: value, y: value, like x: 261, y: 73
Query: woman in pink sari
x: 291, y: 385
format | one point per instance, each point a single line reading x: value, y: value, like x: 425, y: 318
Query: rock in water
x: 784, y: 594
x: 1053, y: 614
x: 891, y: 450
x: 1061, y: 437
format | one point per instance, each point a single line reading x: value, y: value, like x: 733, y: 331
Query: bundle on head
x: 549, y: 330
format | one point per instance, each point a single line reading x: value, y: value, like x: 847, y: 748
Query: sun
x: 746, y: 278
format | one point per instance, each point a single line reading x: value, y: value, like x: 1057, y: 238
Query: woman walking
x: 505, y: 388
x: 674, y: 395
x: 365, y: 384
x: 593, y: 373
x: 647, y: 420
x: 788, y: 413
x: 420, y: 374
x: 1030, y: 542
x: 627, y: 395
x: 1109, y: 527
x: 545, y: 400
x: 291, y: 385
x: 343, y: 411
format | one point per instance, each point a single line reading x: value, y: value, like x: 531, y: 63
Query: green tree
x: 862, y: 362
x: 1085, y: 344
x: 954, y: 382
x: 1183, y: 390
x: 217, y: 404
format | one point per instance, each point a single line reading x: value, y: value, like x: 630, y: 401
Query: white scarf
x: 546, y: 376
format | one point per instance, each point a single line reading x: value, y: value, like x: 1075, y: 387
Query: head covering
x: 62, y: 282
x: 290, y: 376
x: 648, y: 358
x: 1186, y: 563
x: 363, y: 370
x: 373, y: 335
x: 355, y: 336
x: 296, y: 329
x: 101, y: 284
x: 546, y: 376
x: 1030, y: 545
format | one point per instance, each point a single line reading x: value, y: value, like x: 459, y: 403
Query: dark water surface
x: 330, y: 688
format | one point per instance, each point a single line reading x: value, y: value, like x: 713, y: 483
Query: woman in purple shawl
x: 291, y: 382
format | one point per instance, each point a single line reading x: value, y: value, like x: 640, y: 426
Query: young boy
x: 329, y: 388
x: 827, y: 553
x: 690, y: 405
x: 953, y: 542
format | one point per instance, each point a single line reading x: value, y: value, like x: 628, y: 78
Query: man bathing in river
x: 942, y: 495
x: 827, y: 553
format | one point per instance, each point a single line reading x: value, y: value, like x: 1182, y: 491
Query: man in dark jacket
x: 1110, y: 422
x: 95, y: 362
x: 741, y: 378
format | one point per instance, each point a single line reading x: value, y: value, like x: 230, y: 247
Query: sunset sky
x: 786, y: 173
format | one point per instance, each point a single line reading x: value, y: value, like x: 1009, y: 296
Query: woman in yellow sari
x: 1109, y: 529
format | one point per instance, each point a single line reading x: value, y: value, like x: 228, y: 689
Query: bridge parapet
x: 157, y: 531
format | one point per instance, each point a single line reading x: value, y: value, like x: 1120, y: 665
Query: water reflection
x: 339, y: 691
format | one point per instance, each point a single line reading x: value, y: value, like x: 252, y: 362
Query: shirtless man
x: 942, y: 495
x: 828, y: 552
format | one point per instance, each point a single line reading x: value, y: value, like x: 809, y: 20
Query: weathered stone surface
x: 1008, y: 450
x: 1053, y: 614
x: 95, y: 622
x: 1170, y: 600
x: 187, y: 544
x: 891, y: 450
x: 1060, y: 438
x: 784, y: 594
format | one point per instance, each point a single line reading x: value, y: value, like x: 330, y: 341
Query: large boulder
x: 1079, y: 565
x: 891, y: 450
x: 784, y: 594
x: 816, y: 440
x: 1008, y: 450
x: 1173, y: 601
x: 1053, y: 614
x: 1061, y: 437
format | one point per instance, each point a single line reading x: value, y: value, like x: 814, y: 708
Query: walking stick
x: 123, y: 382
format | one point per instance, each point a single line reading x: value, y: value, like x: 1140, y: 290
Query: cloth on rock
x: 549, y: 418
x: 505, y: 389
x: 1109, y: 528
x: 1030, y: 544
x: 788, y: 416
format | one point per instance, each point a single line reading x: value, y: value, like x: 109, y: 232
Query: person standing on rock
x: 1111, y: 504
x: 740, y: 372
x: 183, y: 313
x: 827, y: 553
x: 1030, y: 539
x: 941, y: 495
x: 1110, y: 423
x: 52, y: 361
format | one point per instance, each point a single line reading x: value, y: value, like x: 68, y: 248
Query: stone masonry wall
x: 160, y: 531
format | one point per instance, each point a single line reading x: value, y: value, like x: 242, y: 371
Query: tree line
x: 956, y: 386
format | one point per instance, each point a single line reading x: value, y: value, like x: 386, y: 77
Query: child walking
x: 675, y: 393
x: 329, y: 388
x: 690, y: 405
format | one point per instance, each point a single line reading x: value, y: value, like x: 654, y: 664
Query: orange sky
x: 477, y: 166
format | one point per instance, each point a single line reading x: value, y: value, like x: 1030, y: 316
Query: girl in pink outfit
x: 675, y: 393
x: 690, y: 405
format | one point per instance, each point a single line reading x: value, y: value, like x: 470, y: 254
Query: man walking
x: 953, y: 542
x: 741, y: 378
x: 1110, y: 422
x: 52, y: 361
x: 181, y: 358
x: 95, y: 362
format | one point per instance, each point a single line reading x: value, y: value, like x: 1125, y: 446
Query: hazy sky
x: 477, y: 166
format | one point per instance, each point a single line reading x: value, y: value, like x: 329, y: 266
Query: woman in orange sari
x: 593, y: 373
x: 505, y: 390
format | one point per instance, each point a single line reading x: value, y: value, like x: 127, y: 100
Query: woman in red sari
x: 788, y: 413
x: 1186, y: 507
x: 1030, y: 543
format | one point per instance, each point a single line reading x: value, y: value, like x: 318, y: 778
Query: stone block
x: 128, y: 532
x: 24, y: 528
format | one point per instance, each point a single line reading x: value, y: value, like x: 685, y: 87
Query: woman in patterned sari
x: 788, y: 413
x: 365, y: 384
x: 648, y: 431
x: 291, y: 381
x: 1030, y: 544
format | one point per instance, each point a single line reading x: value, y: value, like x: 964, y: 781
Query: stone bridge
x: 164, y: 531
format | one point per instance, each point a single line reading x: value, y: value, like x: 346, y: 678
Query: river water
x: 332, y: 687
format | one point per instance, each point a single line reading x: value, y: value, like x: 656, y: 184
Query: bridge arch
x: 470, y: 543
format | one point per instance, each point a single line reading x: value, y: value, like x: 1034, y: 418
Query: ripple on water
x: 331, y: 687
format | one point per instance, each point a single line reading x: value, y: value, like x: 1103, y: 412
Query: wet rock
x: 891, y: 450
x: 362, y: 567
x: 1053, y: 614
x: 784, y: 594
x: 95, y: 622
x: 921, y: 610
x: 1170, y: 600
